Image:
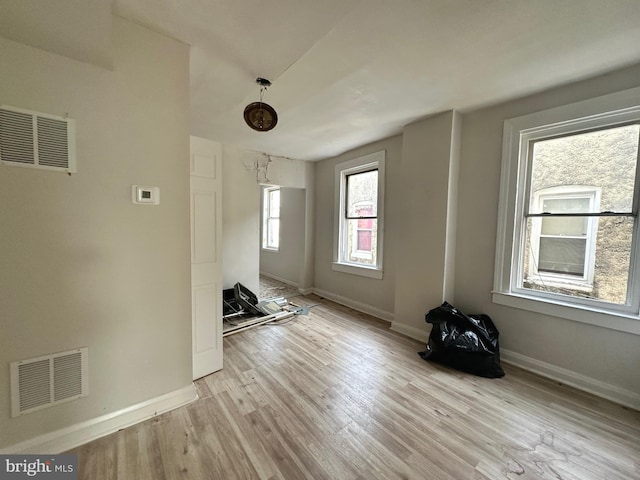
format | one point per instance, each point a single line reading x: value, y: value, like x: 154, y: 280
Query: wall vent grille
x: 49, y: 380
x: 37, y: 140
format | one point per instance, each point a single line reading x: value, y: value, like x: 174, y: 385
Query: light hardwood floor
x: 336, y: 395
x: 270, y: 288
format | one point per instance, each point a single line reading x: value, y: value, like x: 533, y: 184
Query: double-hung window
x: 271, y: 218
x: 568, y: 234
x: 359, y: 215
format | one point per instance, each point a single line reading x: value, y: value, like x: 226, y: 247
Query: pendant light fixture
x: 259, y: 115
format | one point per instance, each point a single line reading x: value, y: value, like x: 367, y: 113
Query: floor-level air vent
x: 37, y: 140
x: 45, y: 381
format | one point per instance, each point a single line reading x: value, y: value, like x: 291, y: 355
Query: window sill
x: 370, y: 272
x: 622, y: 322
x: 555, y: 282
x: 362, y: 256
x: 272, y: 250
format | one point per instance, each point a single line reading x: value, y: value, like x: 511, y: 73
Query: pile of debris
x: 242, y: 310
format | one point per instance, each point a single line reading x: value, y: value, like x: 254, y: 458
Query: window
x: 364, y: 230
x: 562, y: 248
x: 568, y: 235
x: 359, y: 216
x: 271, y: 218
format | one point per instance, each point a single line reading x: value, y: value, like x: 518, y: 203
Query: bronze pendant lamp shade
x: 259, y: 115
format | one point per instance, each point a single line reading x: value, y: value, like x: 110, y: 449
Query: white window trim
x: 265, y: 219
x: 343, y: 169
x: 617, y: 107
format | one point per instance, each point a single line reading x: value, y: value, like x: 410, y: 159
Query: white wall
x: 424, y: 278
x: 420, y: 189
x: 243, y: 172
x: 367, y: 294
x: 441, y: 204
x: 240, y: 218
x: 608, y: 360
x: 308, y: 255
x: 282, y: 171
x: 291, y: 173
x: 286, y: 264
x: 80, y: 264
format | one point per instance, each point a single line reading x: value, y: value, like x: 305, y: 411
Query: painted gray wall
x: 445, y: 171
x: 371, y: 295
x: 428, y: 173
x: 605, y: 355
x: 291, y: 173
x: 243, y: 171
x: 286, y: 263
x: 80, y: 264
x: 240, y: 219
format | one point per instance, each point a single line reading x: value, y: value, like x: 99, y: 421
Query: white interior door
x: 206, y: 255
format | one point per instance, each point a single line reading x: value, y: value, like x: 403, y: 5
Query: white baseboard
x: 280, y: 279
x: 412, y: 332
x: 303, y: 291
x: 568, y: 377
x: 84, y: 432
x: 576, y: 380
x: 359, y: 306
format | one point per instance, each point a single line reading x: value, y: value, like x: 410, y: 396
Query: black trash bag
x: 465, y: 342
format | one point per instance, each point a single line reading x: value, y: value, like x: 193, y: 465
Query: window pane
x: 273, y: 239
x: 604, y: 158
x: 574, y: 226
x: 365, y: 223
x: 362, y: 194
x: 364, y: 240
x: 274, y: 203
x: 362, y: 243
x: 566, y: 205
x: 543, y: 271
x: 562, y: 255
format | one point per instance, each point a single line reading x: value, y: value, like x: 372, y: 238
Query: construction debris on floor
x: 242, y: 310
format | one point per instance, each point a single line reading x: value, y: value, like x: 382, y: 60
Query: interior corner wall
x: 81, y: 265
x: 240, y: 218
x: 600, y: 358
x: 308, y: 255
x: 429, y: 179
x: 453, y: 192
x: 286, y: 263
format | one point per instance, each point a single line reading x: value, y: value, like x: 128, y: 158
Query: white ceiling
x: 348, y: 72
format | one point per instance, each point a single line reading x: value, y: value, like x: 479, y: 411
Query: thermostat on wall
x: 145, y: 195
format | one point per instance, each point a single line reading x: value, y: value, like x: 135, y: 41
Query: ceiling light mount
x: 259, y: 115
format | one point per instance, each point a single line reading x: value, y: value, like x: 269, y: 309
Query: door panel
x: 206, y: 268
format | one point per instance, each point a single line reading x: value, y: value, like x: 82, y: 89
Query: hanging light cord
x: 262, y: 90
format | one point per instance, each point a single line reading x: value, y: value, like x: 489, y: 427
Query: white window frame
x: 342, y: 170
x: 266, y: 225
x: 585, y: 282
x: 593, y: 114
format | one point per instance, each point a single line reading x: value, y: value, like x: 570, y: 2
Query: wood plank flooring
x: 270, y: 288
x: 336, y: 395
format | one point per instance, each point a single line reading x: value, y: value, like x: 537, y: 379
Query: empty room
x: 320, y: 239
